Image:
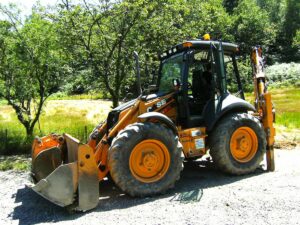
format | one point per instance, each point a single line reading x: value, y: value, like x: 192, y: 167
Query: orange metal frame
x: 127, y: 117
x: 264, y: 104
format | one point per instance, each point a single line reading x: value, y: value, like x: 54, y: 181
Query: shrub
x: 284, y: 74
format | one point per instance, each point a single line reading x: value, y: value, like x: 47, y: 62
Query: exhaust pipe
x: 138, y: 74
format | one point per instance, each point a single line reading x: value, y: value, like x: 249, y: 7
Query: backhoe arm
x: 263, y: 103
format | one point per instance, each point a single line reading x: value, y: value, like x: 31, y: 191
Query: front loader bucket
x: 66, y: 173
x: 46, y: 162
x: 60, y: 186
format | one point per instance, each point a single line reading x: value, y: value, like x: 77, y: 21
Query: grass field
x: 287, y: 104
x: 15, y: 162
x: 78, y: 118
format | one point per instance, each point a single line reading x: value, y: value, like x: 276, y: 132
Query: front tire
x: 145, y: 159
x: 238, y: 144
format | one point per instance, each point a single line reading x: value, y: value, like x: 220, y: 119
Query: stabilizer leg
x: 270, y: 159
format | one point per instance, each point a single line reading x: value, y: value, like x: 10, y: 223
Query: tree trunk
x: 29, y: 131
x: 115, y: 100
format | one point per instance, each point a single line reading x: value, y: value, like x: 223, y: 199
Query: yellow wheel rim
x: 149, y: 161
x: 243, y: 144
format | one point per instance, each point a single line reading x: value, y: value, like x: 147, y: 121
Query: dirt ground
x: 202, y: 196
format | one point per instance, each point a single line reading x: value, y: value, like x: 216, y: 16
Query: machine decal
x: 158, y: 105
x: 199, y: 143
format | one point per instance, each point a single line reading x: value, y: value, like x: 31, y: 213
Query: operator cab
x: 200, y: 72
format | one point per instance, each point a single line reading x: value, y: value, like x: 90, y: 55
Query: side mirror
x: 176, y: 84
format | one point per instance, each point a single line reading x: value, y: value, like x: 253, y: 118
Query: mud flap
x: 74, y: 184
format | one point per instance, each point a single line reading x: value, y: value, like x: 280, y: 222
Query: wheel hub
x: 243, y: 144
x: 149, y: 160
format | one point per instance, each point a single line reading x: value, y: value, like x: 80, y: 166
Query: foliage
x: 292, y: 20
x: 229, y: 5
x: 109, y: 25
x: 245, y: 72
x: 296, y: 40
x: 31, y: 65
x: 276, y: 10
x: 284, y: 74
x: 252, y: 26
x: 288, y: 32
x: 209, y: 17
x: 18, y: 163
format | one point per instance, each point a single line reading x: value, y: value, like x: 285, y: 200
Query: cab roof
x: 228, y: 48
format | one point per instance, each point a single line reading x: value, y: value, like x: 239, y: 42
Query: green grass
x: 89, y: 96
x: 3, y: 102
x: 18, y: 163
x: 286, y: 102
x: 289, y: 119
x: 76, y: 117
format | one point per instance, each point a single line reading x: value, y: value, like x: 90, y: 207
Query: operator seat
x: 198, y: 92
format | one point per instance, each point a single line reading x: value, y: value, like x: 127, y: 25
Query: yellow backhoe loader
x: 142, y: 143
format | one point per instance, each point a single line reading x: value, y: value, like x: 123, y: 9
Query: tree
x: 94, y: 37
x: 229, y: 5
x: 104, y: 36
x: 290, y: 28
x: 209, y: 17
x: 292, y: 20
x: 296, y: 40
x: 31, y: 66
x: 252, y: 26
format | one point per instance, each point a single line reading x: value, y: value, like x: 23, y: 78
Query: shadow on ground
x: 196, y: 177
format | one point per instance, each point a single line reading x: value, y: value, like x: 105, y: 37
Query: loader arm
x: 67, y: 172
x: 263, y: 103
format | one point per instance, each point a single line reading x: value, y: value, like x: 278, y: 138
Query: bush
x: 278, y: 75
x: 14, y: 141
x: 284, y: 74
x: 18, y: 163
x: 245, y: 70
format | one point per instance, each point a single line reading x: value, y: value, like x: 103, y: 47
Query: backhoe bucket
x: 66, y: 172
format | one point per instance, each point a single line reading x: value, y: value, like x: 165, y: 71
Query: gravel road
x: 202, y: 196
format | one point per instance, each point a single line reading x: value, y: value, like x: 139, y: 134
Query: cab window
x: 172, y: 69
x: 231, y: 81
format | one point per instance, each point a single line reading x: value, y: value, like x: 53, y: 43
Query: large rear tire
x: 238, y: 144
x: 145, y: 159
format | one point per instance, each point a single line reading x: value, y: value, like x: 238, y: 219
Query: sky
x: 26, y: 5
